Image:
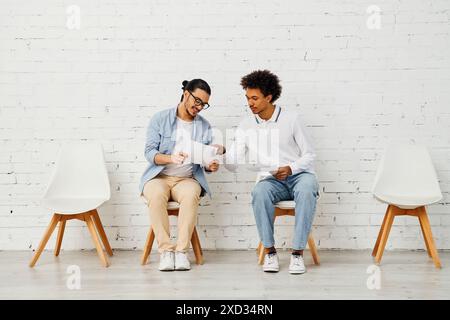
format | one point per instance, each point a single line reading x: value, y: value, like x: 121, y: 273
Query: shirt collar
x: 173, y: 117
x: 274, y: 118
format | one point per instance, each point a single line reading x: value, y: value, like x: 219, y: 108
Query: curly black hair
x: 264, y: 80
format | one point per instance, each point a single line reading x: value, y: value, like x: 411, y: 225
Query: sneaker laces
x: 179, y: 255
x: 271, y: 258
x: 297, y: 259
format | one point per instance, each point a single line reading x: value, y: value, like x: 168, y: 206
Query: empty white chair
x: 407, y: 182
x: 78, y: 186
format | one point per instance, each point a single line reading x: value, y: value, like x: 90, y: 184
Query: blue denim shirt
x: 161, y: 139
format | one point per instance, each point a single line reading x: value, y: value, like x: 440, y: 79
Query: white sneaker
x: 167, y: 261
x: 182, y: 261
x: 297, y: 265
x: 271, y: 263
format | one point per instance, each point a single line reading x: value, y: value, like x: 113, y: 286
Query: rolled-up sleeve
x: 153, y: 139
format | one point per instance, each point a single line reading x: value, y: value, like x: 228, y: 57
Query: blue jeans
x: 302, y: 188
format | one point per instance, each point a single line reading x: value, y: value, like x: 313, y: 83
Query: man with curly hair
x: 293, y: 178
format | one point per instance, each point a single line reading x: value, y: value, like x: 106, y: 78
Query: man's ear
x: 185, y: 95
x: 269, y: 98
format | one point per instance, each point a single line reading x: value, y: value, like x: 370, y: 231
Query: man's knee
x: 155, y: 192
x: 190, y: 194
x: 306, y: 188
x: 189, y: 198
x: 261, y: 191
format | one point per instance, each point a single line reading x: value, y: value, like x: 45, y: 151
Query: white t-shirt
x: 183, y: 133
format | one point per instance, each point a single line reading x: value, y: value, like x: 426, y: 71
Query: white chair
x: 172, y: 210
x: 407, y: 182
x: 78, y: 186
x: 285, y: 208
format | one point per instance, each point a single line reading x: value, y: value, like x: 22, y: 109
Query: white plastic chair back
x: 80, y: 180
x: 406, y: 177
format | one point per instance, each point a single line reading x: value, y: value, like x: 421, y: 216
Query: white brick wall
x: 357, y: 89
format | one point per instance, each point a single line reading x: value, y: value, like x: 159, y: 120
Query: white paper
x: 265, y: 174
x: 258, y: 168
x: 199, y: 153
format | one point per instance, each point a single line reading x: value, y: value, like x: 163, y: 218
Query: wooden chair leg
x: 51, y: 227
x: 148, y: 246
x: 423, y: 217
x: 313, y: 249
x: 197, y: 247
x: 258, y: 248
x: 385, y: 234
x: 425, y: 239
x: 261, y: 254
x: 383, y: 225
x: 62, y: 226
x: 98, y: 246
x: 101, y: 232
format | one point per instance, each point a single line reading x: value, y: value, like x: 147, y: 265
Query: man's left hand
x: 283, y: 173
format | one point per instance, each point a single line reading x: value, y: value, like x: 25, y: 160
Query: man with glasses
x: 170, y: 177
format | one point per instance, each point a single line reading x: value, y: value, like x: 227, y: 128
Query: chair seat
x: 289, y: 204
x: 73, y: 205
x: 407, y: 201
x: 171, y: 205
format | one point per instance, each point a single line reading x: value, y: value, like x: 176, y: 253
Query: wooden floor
x: 225, y: 275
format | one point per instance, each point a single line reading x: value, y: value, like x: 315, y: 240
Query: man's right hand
x: 178, y: 158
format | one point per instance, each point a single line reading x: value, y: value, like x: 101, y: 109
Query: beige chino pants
x: 185, y: 191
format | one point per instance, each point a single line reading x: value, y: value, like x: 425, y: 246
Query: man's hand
x: 283, y: 173
x: 220, y: 148
x: 213, y: 166
x: 178, y: 158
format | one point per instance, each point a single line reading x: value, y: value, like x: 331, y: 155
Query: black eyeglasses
x: 199, y: 102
